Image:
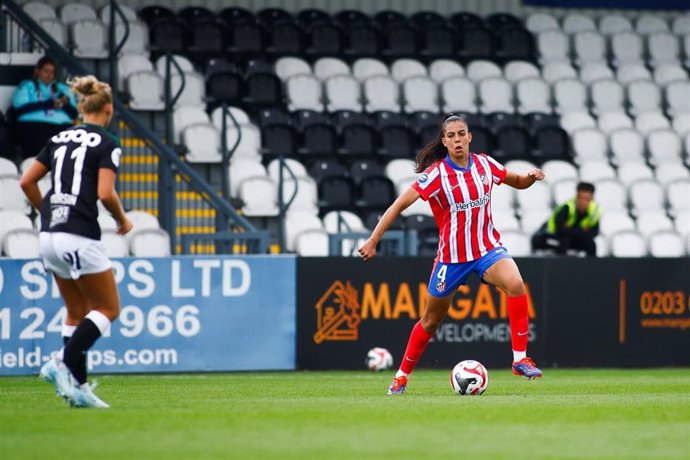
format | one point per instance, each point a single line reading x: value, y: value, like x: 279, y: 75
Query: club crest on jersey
x: 423, y: 178
x: 484, y: 179
x: 441, y: 286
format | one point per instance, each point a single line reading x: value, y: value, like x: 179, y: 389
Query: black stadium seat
x: 388, y: 18
x: 246, y: 40
x: 318, y: 139
x: 514, y: 44
x: 225, y: 87
x: 498, y: 21
x: 512, y: 143
x: 234, y: 15
x: 303, y: 118
x: 401, y: 41
x: 465, y: 19
x: 482, y: 139
x: 150, y: 14
x: 312, y: 17
x: 397, y: 142
x: 336, y: 192
x: 385, y: 118
x: 263, y: 90
x: 375, y: 192
x: 357, y: 141
x: 206, y: 38
x: 427, y: 233
x: 279, y: 139
x: 361, y: 169
x: 273, y: 16
x: 219, y: 64
x: 362, y: 41
x: 438, y: 42
x: 342, y: 118
x: 285, y: 38
x: 475, y: 42
x: 427, y: 20
x: 323, y: 40
x: 551, y: 143
x: 348, y: 19
x: 274, y: 115
x: 322, y: 169
x: 168, y: 34
x: 193, y: 14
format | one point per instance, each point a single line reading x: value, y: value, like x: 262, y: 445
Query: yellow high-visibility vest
x: 590, y: 220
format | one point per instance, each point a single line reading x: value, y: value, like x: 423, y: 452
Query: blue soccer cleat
x: 83, y: 396
x: 57, y: 374
x: 527, y: 368
x: 398, y: 386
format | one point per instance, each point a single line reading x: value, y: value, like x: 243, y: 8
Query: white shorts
x: 70, y: 256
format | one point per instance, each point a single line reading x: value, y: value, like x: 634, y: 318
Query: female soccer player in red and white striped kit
x: 457, y: 184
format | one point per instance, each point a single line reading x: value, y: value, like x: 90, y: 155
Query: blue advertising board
x: 178, y: 314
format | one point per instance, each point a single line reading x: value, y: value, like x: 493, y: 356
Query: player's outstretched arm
x: 523, y: 181
x: 368, y: 249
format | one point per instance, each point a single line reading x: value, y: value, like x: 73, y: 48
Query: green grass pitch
x: 616, y: 414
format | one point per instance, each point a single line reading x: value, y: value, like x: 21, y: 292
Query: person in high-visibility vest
x: 572, y: 225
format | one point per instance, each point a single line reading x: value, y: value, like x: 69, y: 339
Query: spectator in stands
x: 84, y: 161
x: 572, y: 226
x: 42, y: 108
x: 5, y: 141
x: 457, y: 184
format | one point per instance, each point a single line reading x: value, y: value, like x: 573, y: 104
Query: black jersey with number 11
x: 74, y: 157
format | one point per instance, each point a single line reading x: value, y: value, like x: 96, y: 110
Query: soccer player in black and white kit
x: 82, y: 162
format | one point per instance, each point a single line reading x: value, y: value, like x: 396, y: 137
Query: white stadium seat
x: 627, y: 47
x: 563, y: 190
x: 570, y: 95
x: 187, y: 116
x: 556, y: 170
x: 298, y: 222
x: 610, y: 24
x: 628, y: 72
x: 626, y: 145
x: 343, y: 222
x: 575, y: 22
x: 678, y: 97
x: 12, y: 197
x: 73, y: 12
x: 39, y: 10
x: 613, y: 222
x: 533, y: 96
x: 480, y: 69
x: 664, y: 145
x: 89, y: 39
x: 505, y: 221
x: 589, y: 47
x: 646, y: 122
x: 644, y: 96
x: 628, y: 243
x: 611, y: 121
x: 678, y: 195
x: 402, y: 69
x: 669, y: 172
x: 115, y: 245
x: 286, y: 67
x: 574, y: 121
x: 553, y: 46
x: 241, y: 169
x: 259, y: 196
x: 343, y: 92
x: 681, y: 223
x: 646, y: 24
x: 664, y: 48
x: 202, y: 142
x: 515, y: 71
x: 304, y: 92
x: 541, y: 22
x: 327, y: 67
x: 607, y: 96
x: 440, y: 69
x: 21, y: 243
x: 312, y: 243
x: 665, y: 73
x: 651, y: 221
x: 150, y: 243
x: 589, y: 144
x: 558, y: 70
x: 611, y: 195
x: 593, y: 171
x: 496, y: 95
x: 146, y: 91
x: 666, y: 243
x: 593, y: 71
x: 517, y: 243
x: 364, y: 68
x: 13, y: 220
x: 646, y: 195
x: 631, y: 172
x: 459, y: 95
x: 381, y: 93
x: 420, y: 94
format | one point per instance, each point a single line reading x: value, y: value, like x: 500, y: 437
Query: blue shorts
x: 447, y: 278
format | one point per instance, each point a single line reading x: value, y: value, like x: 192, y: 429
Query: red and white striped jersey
x: 460, y: 199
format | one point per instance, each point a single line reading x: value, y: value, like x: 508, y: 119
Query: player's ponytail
x: 93, y: 94
x: 435, y: 150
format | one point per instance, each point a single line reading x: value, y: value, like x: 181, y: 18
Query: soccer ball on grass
x: 469, y: 377
x: 379, y: 359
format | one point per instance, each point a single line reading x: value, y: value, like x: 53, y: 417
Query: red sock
x: 519, y: 322
x: 419, y: 339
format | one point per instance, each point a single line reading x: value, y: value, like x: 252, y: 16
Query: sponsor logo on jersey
x: 471, y: 204
x: 63, y: 198
x: 78, y: 136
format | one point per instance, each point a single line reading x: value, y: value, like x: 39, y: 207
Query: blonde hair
x: 93, y: 94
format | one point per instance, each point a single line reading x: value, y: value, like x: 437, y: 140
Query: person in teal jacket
x: 42, y: 107
x: 572, y: 225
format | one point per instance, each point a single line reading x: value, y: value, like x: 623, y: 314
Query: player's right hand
x: 368, y: 250
x: 124, y: 227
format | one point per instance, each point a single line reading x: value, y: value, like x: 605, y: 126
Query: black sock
x: 82, y: 365
x: 75, y: 350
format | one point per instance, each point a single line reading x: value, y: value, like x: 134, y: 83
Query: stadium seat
x: 362, y: 41
x: 557, y: 170
x: 663, y: 48
x: 480, y: 69
x: 537, y: 197
x: 629, y: 72
x: 646, y: 195
x: 573, y: 121
x: 21, y: 243
x: 168, y: 34
x: 364, y: 68
x: 322, y: 169
x: 400, y: 41
x: 459, y: 95
x: 335, y: 192
x: 646, y: 122
x: 195, y: 14
x: 681, y: 222
x: 606, y: 96
x: 666, y: 243
x: 514, y: 43
x: 202, y: 143
x: 553, y: 46
x: 381, y: 93
x: 517, y: 243
x: 241, y: 169
x: 12, y: 220
x: 589, y: 144
x: 611, y: 195
x: 150, y: 243
x: 438, y: 42
x: 589, y: 47
x: 570, y: 95
x: 511, y: 142
x: 425, y: 20
x: 533, y: 96
x: 88, y: 37
x: 503, y: 198
x: 9, y: 167
x: 402, y: 69
x: 249, y: 145
x: 644, y: 96
x: 647, y: 24
x: 279, y: 139
x: 152, y: 13
x: 145, y: 89
x: 496, y: 95
x: 678, y: 97
x: 515, y: 71
x: 11, y: 195
x: 678, y: 195
x: 297, y: 222
x: 194, y: 90
x: 681, y: 125
x: 399, y: 168
x: 593, y: 71
x: 626, y: 145
x: 557, y: 70
x: 115, y: 245
x: 440, y: 69
x: 652, y: 221
x: 420, y: 94
x: 206, y: 37
x: 304, y: 92
x: 665, y: 73
x: 531, y: 221
x: 318, y: 140
x: 327, y: 67
x: 631, y: 172
x: 628, y: 243
x: 669, y: 172
x: 505, y: 221
x: 181, y: 61
x: 324, y: 40
x: 283, y: 39
x: 341, y: 221
x: 609, y: 122
x: 592, y: 171
x: 664, y: 145
x: 39, y: 10
x: 343, y: 92
x: 541, y: 22
x: 73, y: 12
x: 375, y: 192
x: 610, y: 24
x: 141, y: 220
x: 475, y: 42
x: 681, y: 25
x: 259, y: 197
x: 240, y: 117
x: 574, y: 23
x: 613, y: 222
x: 312, y: 243
x: 288, y: 66
x: 626, y: 47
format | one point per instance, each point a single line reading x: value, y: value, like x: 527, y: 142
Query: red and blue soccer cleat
x: 527, y: 368
x: 398, y: 386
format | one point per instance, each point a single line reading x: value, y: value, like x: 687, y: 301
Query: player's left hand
x: 536, y: 174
